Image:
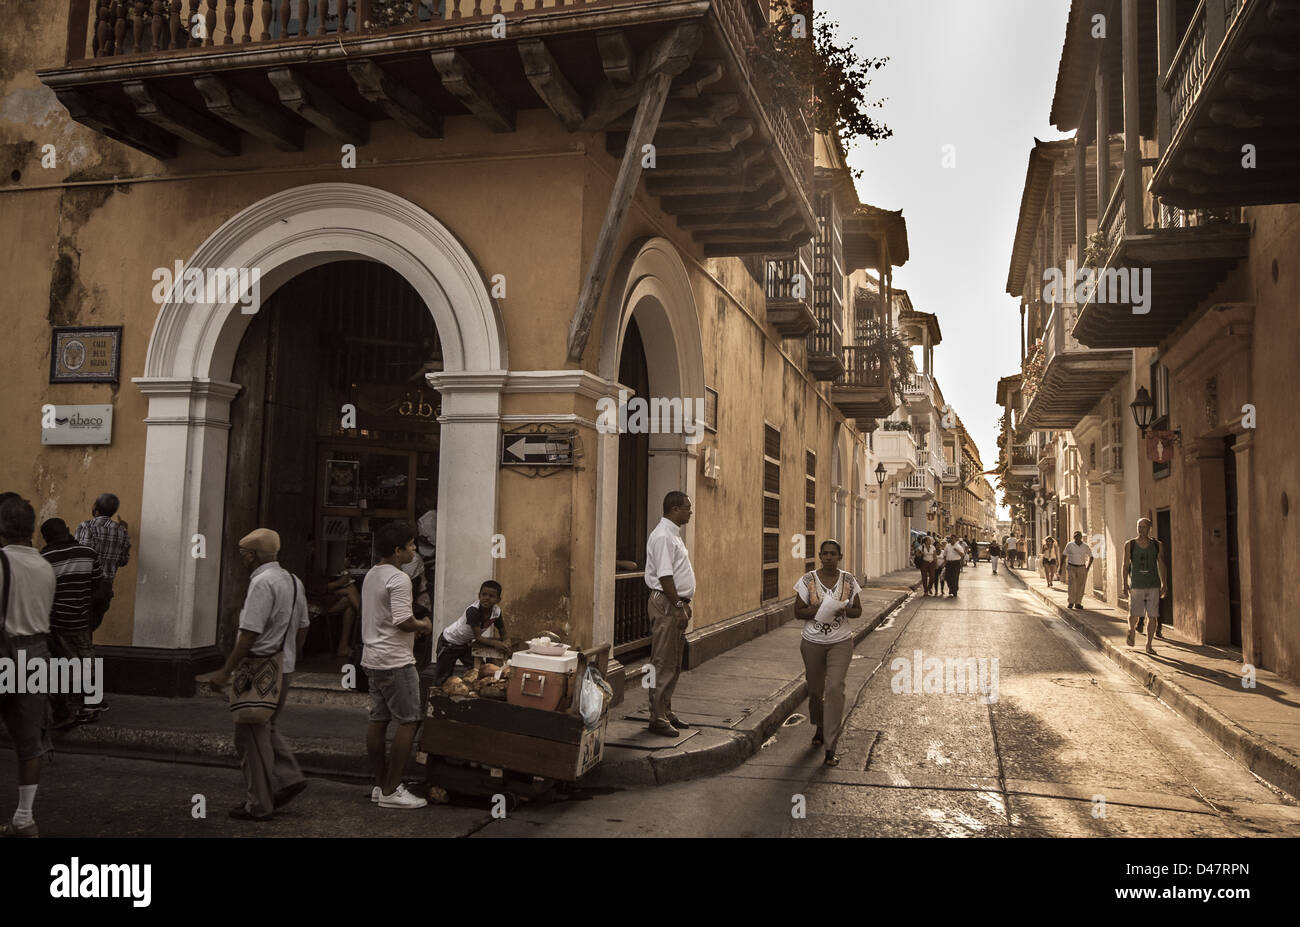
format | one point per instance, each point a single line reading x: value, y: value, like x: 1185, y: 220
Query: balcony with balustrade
x: 191, y: 79
x: 1231, y: 79
x: 918, y: 394
x: 789, y: 294
x: 863, y: 391
x: 1074, y: 377
x: 951, y: 475
x: 1023, y: 463
x: 896, y: 450
x: 1153, y: 272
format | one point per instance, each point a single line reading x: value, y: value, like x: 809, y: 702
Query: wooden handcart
x: 484, y: 747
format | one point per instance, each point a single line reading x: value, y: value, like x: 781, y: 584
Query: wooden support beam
x: 463, y: 81
x: 395, y: 98
x: 705, y: 113
x: 617, y: 58
x: 765, y: 198
x: 705, y: 185
x: 1258, y: 85
x: 269, y: 123
x: 678, y: 142
x: 615, y: 97
x: 757, y: 219
x: 117, y: 124
x: 701, y: 74
x: 550, y: 83
x: 727, y: 164
x: 303, y: 97
x: 168, y: 114
x: 670, y: 56
x: 751, y: 246
x: 1132, y: 109
x: 777, y: 232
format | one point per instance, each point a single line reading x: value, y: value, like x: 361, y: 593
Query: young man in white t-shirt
x: 388, y: 631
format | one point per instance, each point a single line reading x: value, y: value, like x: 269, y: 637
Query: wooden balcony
x: 896, y: 450
x: 863, y: 390
x: 918, y: 394
x: 732, y: 167
x: 1234, y: 80
x: 1188, y: 253
x: 1075, y: 377
x: 921, y: 484
x: 1024, y: 463
x: 789, y: 294
x: 826, y: 352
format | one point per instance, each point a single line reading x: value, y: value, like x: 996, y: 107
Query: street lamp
x: 880, y: 474
x: 1143, y: 406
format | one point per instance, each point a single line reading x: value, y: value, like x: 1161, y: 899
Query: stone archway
x: 186, y: 380
x: 651, y: 283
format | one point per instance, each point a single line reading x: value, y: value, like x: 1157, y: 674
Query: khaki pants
x: 667, y: 644
x: 826, y: 666
x: 268, y: 763
x: 1078, y: 580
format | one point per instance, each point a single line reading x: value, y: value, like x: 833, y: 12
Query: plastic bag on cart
x: 593, y: 698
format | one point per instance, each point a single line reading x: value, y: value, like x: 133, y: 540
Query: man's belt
x: 660, y: 593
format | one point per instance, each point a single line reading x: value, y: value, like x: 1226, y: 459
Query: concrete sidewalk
x: 736, y: 699
x: 1259, y: 727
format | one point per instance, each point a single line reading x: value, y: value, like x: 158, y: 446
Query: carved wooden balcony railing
x: 1232, y: 80
x: 789, y: 294
x: 864, y: 391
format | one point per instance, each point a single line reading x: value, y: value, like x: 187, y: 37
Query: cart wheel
x: 512, y: 801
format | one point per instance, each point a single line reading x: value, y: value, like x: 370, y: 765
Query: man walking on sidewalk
x: 1078, y: 560
x: 274, y: 620
x: 1144, y: 580
x: 994, y: 552
x: 671, y: 578
x: 952, y: 555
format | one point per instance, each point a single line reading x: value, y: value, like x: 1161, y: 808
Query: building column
x: 469, y: 454
x: 1251, y: 638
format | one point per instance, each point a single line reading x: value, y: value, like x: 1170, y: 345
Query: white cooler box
x: 536, y: 661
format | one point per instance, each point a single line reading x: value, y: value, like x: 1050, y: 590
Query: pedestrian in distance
x: 1050, y: 557
x: 78, y: 585
x: 388, y: 631
x: 671, y: 578
x: 108, y: 535
x: 27, y: 586
x: 1144, y: 581
x: 918, y: 559
x: 995, y: 551
x: 929, y: 565
x: 952, y: 554
x: 1078, y: 561
x: 272, y: 628
x: 828, y: 599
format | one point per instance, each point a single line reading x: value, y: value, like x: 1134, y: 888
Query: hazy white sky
x: 978, y: 75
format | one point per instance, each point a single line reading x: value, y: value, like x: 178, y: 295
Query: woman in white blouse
x: 827, y: 599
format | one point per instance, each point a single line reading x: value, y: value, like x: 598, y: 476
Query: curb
x: 1262, y: 758
x: 747, y: 738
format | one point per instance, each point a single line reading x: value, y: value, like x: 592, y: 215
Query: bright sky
x: 978, y: 75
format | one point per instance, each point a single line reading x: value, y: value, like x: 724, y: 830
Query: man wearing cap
x: 274, y: 618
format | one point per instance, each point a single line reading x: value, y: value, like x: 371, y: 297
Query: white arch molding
x: 652, y: 283
x: 186, y: 379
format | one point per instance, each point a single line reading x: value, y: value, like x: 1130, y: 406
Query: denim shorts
x: 395, y: 694
x: 27, y: 717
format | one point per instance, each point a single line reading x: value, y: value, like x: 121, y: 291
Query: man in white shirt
x: 274, y: 620
x: 26, y: 599
x: 671, y: 579
x: 952, y: 556
x: 1078, y: 560
x: 388, y: 630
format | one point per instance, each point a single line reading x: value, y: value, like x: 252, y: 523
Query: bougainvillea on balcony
x: 1035, y: 364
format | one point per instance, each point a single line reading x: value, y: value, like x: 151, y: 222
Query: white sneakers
x: 400, y: 798
x: 374, y: 794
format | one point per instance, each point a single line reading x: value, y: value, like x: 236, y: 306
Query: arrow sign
x: 537, y: 450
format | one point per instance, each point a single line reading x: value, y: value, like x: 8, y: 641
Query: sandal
x: 832, y: 759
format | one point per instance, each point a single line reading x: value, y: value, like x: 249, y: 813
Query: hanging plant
x: 805, y: 66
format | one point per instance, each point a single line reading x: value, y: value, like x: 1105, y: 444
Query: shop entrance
x: 1165, y: 535
x: 334, y: 433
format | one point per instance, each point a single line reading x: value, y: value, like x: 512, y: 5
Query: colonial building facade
x: 1163, y: 390
x: 472, y: 237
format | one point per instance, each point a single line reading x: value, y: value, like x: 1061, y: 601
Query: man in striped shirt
x: 76, y: 573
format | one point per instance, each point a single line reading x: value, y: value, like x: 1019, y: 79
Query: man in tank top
x: 1144, y: 581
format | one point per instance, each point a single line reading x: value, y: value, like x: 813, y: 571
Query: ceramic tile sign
x: 85, y: 355
x: 79, y: 425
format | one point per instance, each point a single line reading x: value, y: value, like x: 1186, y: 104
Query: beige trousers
x: 1078, y: 580
x: 667, y: 644
x: 266, y: 759
x: 825, y: 667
